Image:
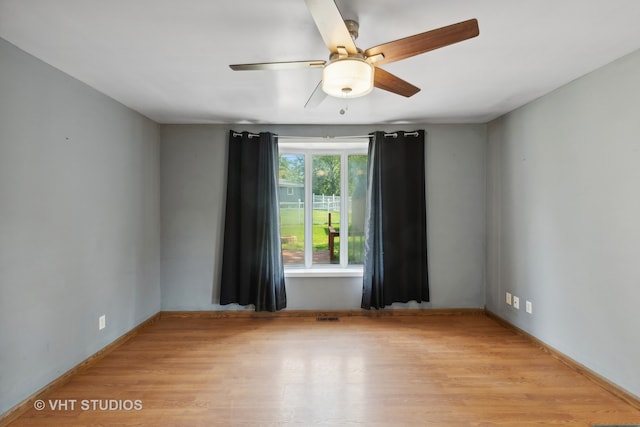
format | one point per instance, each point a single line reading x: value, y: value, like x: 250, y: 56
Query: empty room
x: 319, y: 212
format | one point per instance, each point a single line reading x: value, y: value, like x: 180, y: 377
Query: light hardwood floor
x: 365, y: 371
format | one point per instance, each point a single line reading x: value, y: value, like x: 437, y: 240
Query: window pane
x: 291, y: 193
x: 357, y: 190
x: 326, y: 209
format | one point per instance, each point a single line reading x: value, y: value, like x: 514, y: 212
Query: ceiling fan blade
x: 316, y: 97
x: 424, y: 42
x: 331, y: 25
x: 385, y: 80
x: 292, y: 65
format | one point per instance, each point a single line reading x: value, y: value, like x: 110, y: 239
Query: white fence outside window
x: 320, y: 202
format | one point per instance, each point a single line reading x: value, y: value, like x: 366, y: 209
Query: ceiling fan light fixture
x: 347, y: 78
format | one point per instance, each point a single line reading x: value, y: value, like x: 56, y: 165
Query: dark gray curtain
x: 252, y: 267
x: 395, y: 254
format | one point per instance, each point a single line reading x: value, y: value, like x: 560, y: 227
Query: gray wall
x: 563, y: 210
x: 79, y: 222
x: 193, y: 171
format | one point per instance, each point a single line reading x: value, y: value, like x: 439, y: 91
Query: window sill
x: 323, y: 272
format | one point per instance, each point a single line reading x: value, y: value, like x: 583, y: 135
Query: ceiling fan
x: 352, y: 72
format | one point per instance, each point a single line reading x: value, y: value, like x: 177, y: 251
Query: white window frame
x: 321, y: 146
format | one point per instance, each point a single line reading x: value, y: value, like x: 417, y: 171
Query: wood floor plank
x: 362, y: 371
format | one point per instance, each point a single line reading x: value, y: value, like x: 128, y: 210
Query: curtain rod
x: 388, y: 135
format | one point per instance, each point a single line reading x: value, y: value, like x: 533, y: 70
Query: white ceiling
x: 169, y: 59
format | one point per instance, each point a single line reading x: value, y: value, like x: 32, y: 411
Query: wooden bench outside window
x: 332, y: 236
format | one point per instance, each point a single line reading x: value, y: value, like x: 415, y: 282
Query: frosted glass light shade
x: 347, y: 78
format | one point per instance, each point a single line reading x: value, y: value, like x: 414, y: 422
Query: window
x: 322, y: 222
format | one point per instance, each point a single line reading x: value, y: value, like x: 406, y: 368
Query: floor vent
x: 327, y: 318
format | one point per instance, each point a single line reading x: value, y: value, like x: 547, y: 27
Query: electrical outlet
x: 529, y: 307
x: 516, y: 303
x: 508, y: 298
x: 102, y: 322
